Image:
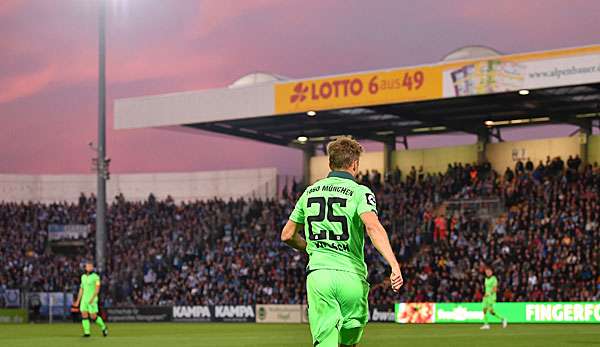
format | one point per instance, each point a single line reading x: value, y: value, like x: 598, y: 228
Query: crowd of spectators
x: 544, y: 247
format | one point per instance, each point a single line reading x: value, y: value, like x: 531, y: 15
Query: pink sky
x: 48, y: 65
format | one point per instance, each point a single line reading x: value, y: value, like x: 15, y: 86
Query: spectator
x: 508, y: 175
x: 440, y: 232
x: 529, y: 165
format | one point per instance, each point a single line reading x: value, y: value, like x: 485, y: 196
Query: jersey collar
x: 341, y: 174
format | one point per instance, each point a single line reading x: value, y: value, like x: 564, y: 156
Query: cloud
x: 25, y: 84
x: 7, y: 7
x: 58, y: 58
x: 215, y: 14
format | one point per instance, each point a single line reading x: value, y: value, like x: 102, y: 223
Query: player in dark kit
x: 335, y: 212
x: 87, y: 300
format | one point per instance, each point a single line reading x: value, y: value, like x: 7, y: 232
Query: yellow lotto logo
x: 357, y: 90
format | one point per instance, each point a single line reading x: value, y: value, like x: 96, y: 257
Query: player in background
x: 335, y: 212
x: 87, y: 300
x: 489, y: 299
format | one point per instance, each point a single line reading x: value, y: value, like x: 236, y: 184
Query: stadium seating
x: 544, y: 245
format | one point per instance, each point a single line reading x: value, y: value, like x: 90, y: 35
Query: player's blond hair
x: 342, y: 152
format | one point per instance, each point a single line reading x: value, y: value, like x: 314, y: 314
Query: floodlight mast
x: 102, y: 169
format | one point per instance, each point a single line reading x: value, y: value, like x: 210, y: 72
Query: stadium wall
x: 434, y: 159
x: 259, y: 183
x: 505, y: 154
x: 594, y: 149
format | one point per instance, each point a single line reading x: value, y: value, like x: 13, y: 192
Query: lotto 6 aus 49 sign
x: 358, y: 90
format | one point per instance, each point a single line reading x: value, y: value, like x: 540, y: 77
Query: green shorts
x: 85, y: 306
x: 488, y: 302
x: 338, y: 308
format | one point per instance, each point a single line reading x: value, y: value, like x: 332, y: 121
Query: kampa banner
x: 234, y: 313
x: 192, y: 313
x: 218, y: 313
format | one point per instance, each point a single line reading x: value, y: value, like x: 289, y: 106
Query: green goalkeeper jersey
x: 330, y: 210
x: 88, y: 284
x: 490, y: 283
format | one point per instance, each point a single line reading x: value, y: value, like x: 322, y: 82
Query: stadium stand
x: 543, y: 242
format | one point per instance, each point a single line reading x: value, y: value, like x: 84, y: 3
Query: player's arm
x: 79, y: 296
x: 291, y: 236
x: 367, y: 210
x: 96, y: 291
x: 380, y: 240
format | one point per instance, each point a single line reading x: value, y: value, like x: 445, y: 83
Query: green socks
x: 85, y: 322
x: 485, y: 317
x: 100, y: 323
x: 498, y: 316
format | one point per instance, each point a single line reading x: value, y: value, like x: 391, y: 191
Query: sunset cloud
x: 214, y: 14
x: 7, y: 7
x: 25, y: 84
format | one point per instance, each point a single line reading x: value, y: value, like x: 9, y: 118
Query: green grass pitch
x: 249, y: 334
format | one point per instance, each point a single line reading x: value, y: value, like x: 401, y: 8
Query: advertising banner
x: 464, y: 313
x: 305, y: 313
x: 363, y: 89
x: 555, y: 68
x: 11, y: 297
x: 506, y: 74
x: 415, y: 312
x: 218, y: 313
x: 192, y: 313
x: 60, y: 232
x: 377, y: 313
x: 381, y: 313
x: 13, y: 315
x: 139, y: 314
x: 234, y: 313
x: 278, y: 313
x: 58, y: 303
x: 514, y: 312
